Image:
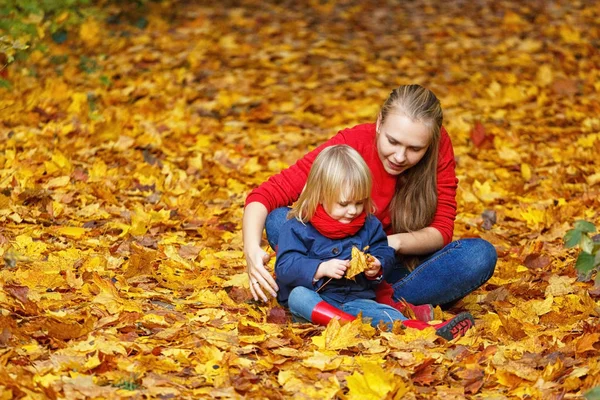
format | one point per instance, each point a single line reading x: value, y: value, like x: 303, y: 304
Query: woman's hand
x: 374, y: 268
x: 260, y: 278
x: 333, y: 268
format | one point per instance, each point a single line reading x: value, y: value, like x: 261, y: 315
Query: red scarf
x: 333, y: 229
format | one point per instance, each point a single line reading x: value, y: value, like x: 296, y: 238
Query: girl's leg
x: 308, y: 306
x: 373, y: 310
x: 273, y: 224
x: 448, y: 275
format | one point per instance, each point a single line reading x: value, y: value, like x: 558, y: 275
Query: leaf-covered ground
x: 126, y: 155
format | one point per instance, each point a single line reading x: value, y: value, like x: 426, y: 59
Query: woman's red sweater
x: 284, y: 188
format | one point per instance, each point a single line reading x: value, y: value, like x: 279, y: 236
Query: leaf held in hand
x: 359, y: 262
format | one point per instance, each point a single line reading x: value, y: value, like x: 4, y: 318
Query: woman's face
x: 401, y: 142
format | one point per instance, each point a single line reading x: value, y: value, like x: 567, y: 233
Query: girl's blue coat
x: 302, y: 248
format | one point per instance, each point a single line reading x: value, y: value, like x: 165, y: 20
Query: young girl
x: 331, y: 216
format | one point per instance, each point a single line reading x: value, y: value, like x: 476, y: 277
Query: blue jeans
x: 302, y: 302
x: 445, y: 276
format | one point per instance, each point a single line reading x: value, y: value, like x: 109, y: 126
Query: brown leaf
x: 536, y: 261
x: 8, y: 327
x: 587, y: 342
x: 512, y: 327
x: 499, y: 294
x: 66, y: 330
x: 189, y: 252
x: 239, y: 294
x: 471, y: 379
x: 245, y: 380
x: 424, y: 374
x: 20, y: 293
x: 5, y: 335
x: 480, y: 138
x: 141, y: 261
x: 594, y: 292
x: 277, y: 315
x: 565, y: 87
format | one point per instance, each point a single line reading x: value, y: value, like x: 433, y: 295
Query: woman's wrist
x: 250, y: 249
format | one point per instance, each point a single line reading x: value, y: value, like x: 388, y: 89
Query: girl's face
x: 401, y: 142
x: 345, y: 210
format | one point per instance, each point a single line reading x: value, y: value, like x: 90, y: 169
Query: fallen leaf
x: 375, y: 383
x: 277, y: 315
x: 359, y: 262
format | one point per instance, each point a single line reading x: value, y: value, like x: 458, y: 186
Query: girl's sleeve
x: 378, y: 245
x: 447, y: 183
x: 294, y: 267
x: 284, y: 188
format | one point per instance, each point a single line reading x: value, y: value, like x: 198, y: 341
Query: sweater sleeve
x: 447, y: 183
x: 284, y: 188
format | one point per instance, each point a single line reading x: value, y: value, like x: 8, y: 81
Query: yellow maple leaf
x: 560, y: 285
x: 526, y: 171
x: 544, y: 75
x: 336, y: 336
x: 588, y: 140
x: 323, y: 361
x: 104, y: 344
x: 45, y: 380
x: 569, y: 34
x: 291, y: 382
x: 92, y: 362
x: 58, y: 182
x: 110, y: 298
x: 140, y: 221
x: 79, y: 102
x: 376, y: 383
x: 542, y: 307
x: 28, y: 247
x: 89, y: 32
x: 534, y: 217
x: 58, y: 163
x: 359, y: 262
x: 485, y: 192
x: 71, y: 231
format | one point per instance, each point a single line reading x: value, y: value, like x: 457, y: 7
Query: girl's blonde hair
x: 337, y: 171
x: 415, y: 201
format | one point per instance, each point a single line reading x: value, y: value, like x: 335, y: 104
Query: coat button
x: 335, y: 250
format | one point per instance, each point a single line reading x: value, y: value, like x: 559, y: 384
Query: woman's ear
x: 378, y: 123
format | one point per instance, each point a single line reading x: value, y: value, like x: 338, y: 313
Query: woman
x: 412, y: 163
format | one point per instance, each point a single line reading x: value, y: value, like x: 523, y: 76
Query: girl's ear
x: 378, y: 123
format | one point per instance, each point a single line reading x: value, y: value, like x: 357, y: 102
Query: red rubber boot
x: 450, y: 329
x: 384, y: 294
x: 325, y: 312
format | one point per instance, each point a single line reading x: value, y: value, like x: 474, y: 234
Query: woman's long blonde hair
x: 415, y: 202
x: 337, y: 171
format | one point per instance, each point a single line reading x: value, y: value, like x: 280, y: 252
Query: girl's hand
x: 374, y: 269
x: 333, y: 268
x: 260, y: 279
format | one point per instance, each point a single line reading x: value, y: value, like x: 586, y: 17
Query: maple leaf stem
x: 325, y: 284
